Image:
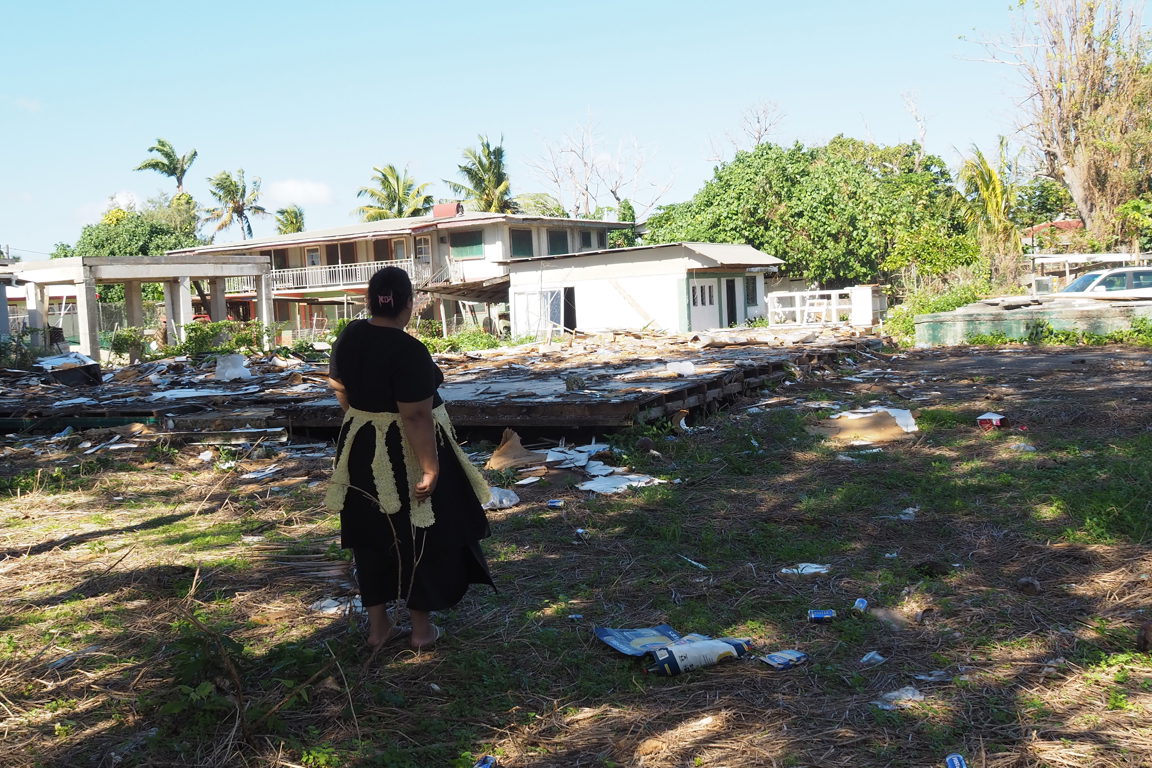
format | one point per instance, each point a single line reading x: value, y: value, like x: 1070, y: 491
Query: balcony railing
x: 330, y: 276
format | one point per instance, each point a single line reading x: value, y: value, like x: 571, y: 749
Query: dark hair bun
x: 389, y: 292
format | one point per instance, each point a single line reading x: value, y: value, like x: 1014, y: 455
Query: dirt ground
x: 158, y: 609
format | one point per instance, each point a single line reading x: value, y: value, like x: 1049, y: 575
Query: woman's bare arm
x: 341, y: 395
x: 421, y: 432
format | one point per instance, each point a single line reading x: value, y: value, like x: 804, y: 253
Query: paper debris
x: 872, y: 659
x: 527, y: 481
x: 338, y: 605
x: 511, y: 453
x: 1022, y: 447
x: 804, y: 569
x: 935, y: 676
x: 784, y: 659
x: 260, y: 474
x: 617, y: 483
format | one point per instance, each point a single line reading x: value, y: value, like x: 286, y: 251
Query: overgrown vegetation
x: 1042, y: 333
x: 900, y: 320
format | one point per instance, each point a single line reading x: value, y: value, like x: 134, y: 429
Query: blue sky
x: 310, y: 96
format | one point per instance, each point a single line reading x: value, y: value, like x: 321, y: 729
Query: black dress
x: 430, y: 567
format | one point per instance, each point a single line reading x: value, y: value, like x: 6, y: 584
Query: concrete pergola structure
x: 176, y: 274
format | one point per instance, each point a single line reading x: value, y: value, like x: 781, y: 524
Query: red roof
x: 1063, y: 225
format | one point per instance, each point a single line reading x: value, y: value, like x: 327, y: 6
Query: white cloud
x: 301, y: 192
x: 25, y: 104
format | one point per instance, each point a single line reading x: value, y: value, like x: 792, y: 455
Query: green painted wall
x: 946, y: 329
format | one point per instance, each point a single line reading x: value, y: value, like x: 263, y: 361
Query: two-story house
x: 322, y: 275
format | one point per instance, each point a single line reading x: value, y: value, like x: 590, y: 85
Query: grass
x: 204, y: 634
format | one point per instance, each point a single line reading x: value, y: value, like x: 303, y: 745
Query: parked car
x: 1132, y: 282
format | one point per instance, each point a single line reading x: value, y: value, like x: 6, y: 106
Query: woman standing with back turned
x: 409, y: 500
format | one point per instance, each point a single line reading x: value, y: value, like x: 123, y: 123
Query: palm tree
x: 289, y: 220
x: 168, y: 163
x: 237, y: 202
x: 395, y: 196
x: 991, y: 191
x: 485, y: 186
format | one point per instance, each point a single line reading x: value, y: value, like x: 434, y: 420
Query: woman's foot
x: 424, y: 641
x: 378, y: 641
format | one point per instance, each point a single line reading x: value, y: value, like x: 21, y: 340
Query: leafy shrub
x: 462, y: 341
x: 223, y: 337
x: 1042, y: 333
x: 900, y: 321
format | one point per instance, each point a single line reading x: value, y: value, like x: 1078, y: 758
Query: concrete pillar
x: 5, y: 322
x: 170, y: 312
x: 36, y: 297
x: 264, y: 302
x: 861, y: 314
x: 87, y: 316
x: 178, y: 306
x: 218, y: 298
x: 134, y: 303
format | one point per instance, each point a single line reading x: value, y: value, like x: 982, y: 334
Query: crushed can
x: 681, y: 657
x: 784, y: 659
x: 955, y: 760
x: 555, y: 503
x: 486, y: 762
x: 860, y: 606
x: 821, y: 616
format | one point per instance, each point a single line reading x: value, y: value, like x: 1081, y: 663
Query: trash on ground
x: 260, y: 474
x: 637, y: 642
x: 617, y: 483
x: 908, y: 514
x: 554, y: 503
x: 935, y: 676
x: 681, y: 369
x: 338, y: 605
x: 860, y: 605
x: 1022, y: 447
x: 804, y: 569
x: 511, y: 453
x: 680, y: 656
x: 701, y: 566
x: 206, y: 456
x: 784, y: 659
x: 873, y: 425
x: 486, y: 762
x: 501, y: 499
x: 64, y: 661
x: 527, y: 481
x: 232, y: 367
x: 990, y: 420
x: 821, y: 615
x: 955, y: 760
x: 872, y: 659
x: 901, y: 697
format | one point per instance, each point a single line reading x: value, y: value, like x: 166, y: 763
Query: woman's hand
x: 423, y: 489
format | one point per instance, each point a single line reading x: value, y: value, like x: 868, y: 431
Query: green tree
x: 992, y: 193
x: 237, y: 202
x: 128, y: 233
x: 835, y: 213
x: 396, y: 195
x: 289, y: 220
x: 486, y: 186
x: 624, y: 238
x: 1041, y: 199
x: 168, y: 163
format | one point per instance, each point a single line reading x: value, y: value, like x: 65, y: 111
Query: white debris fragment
x: 232, y: 367
x: 902, y: 416
x: 1022, y: 447
x: 338, y: 605
x: 682, y: 369
x: 617, y: 483
x: 872, y: 659
x: 501, y: 499
x: 901, y: 697
x: 528, y: 481
x: 805, y: 569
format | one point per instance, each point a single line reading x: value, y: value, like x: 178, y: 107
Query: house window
x: 424, y: 248
x: 380, y: 250
x: 466, y: 245
x: 557, y: 242
x: 399, y: 250
x: 751, y: 291
x: 585, y: 240
x: 704, y: 295
x: 522, y: 247
x: 695, y: 297
x: 312, y: 257
x: 601, y: 239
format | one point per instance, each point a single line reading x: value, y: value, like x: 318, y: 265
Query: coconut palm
x: 289, y: 220
x: 486, y: 186
x: 237, y: 202
x: 395, y: 196
x: 168, y: 163
x: 992, y: 191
